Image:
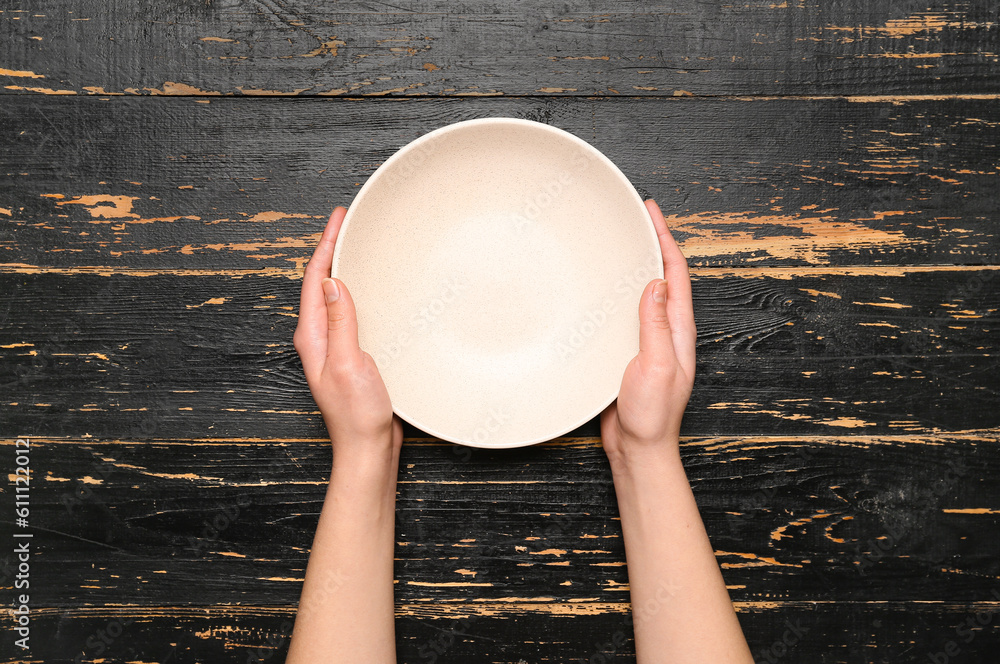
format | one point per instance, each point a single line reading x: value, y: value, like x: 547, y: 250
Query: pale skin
x: 681, y: 608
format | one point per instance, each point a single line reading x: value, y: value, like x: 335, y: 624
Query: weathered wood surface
x: 139, y: 184
x: 439, y: 47
x: 217, y: 521
x: 886, y: 350
x: 464, y: 633
x: 843, y: 438
x: 201, y: 544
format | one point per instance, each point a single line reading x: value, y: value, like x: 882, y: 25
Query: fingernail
x: 331, y: 290
x: 660, y: 292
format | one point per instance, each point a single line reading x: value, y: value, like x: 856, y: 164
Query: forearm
x: 346, y: 610
x: 681, y: 608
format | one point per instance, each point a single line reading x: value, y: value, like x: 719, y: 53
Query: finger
x: 342, y: 323
x: 312, y: 306
x: 656, y: 343
x: 680, y: 308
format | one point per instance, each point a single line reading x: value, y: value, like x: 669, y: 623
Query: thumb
x: 342, y: 320
x: 656, y: 344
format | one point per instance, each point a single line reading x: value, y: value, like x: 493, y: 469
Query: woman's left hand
x: 343, y: 379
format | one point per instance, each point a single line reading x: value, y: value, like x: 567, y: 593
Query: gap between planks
x: 209, y: 95
x: 935, y: 438
x: 780, y: 272
x: 501, y: 607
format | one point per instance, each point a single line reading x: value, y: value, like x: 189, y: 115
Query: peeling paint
x: 713, y: 234
x: 44, y: 91
x: 214, y: 300
x: 19, y: 73
x: 103, y: 206
x: 972, y: 510
x: 328, y: 47
x: 170, y: 89
x: 260, y: 92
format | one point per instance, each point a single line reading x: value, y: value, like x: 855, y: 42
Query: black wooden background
x: 830, y: 167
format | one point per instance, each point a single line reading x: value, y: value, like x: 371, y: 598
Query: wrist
x: 649, y: 483
x: 366, y: 486
x: 372, y: 463
x: 639, y: 462
x: 364, y: 445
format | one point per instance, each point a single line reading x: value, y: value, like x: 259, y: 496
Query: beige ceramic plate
x: 496, y: 265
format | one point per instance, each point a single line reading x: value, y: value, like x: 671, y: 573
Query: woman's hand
x: 681, y: 608
x: 657, y: 384
x: 345, y: 612
x: 343, y: 379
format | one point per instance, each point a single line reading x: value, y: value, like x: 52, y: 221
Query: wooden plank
x: 436, y: 47
x: 176, y: 185
x: 792, y: 518
x: 826, y: 633
x: 866, y: 350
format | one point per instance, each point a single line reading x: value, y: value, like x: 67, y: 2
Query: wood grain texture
x: 830, y: 169
x: 463, y: 632
x: 792, y: 519
x: 172, y: 184
x: 437, y: 47
x: 517, y: 552
x: 843, y: 350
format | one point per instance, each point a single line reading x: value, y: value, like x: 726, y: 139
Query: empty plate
x: 496, y: 265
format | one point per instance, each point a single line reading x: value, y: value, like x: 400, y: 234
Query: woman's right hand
x: 657, y: 383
